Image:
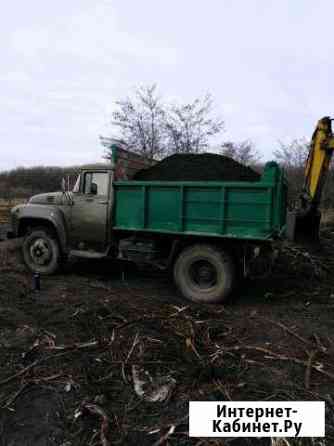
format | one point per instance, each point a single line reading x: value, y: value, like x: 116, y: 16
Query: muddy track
x: 73, y: 345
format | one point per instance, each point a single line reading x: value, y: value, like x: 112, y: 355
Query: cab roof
x: 97, y: 166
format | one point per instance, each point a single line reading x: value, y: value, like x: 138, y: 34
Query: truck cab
x: 73, y: 222
x: 90, y: 210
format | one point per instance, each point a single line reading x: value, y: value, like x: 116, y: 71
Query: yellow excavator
x: 303, y: 222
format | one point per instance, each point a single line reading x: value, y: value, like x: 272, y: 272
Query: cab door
x: 90, y: 209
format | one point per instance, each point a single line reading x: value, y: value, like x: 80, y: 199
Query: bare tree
x: 189, y: 127
x: 244, y: 152
x: 149, y: 126
x: 292, y: 156
x: 139, y: 120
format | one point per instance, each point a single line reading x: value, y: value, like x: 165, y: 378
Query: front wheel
x: 41, y: 251
x: 204, y: 273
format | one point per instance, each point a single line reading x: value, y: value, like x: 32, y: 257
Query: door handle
x: 89, y: 199
x: 103, y: 202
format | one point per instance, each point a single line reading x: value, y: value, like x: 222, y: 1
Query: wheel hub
x: 40, y: 251
x: 203, y: 274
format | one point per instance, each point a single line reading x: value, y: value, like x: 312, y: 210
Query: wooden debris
x: 308, y: 369
x: 97, y: 410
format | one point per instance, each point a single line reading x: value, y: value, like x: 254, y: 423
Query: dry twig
x: 21, y: 372
x: 165, y: 436
x: 288, y: 330
x: 273, y: 355
x: 308, y: 369
x: 97, y: 410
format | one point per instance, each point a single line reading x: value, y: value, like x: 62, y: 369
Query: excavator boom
x: 317, y: 164
x: 304, y: 221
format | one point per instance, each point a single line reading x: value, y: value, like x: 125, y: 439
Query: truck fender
x: 36, y: 214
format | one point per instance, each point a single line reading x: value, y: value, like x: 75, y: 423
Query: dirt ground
x: 72, y: 352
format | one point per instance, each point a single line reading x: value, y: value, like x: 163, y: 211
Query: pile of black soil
x: 202, y: 167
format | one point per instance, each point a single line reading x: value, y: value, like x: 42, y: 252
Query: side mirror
x: 93, y: 188
x: 63, y: 185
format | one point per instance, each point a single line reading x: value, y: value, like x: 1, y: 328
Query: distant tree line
x: 23, y: 182
x: 156, y: 128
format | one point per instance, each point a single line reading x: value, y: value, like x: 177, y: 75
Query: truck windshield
x: 77, y: 185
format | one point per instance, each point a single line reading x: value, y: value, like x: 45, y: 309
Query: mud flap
x: 303, y: 227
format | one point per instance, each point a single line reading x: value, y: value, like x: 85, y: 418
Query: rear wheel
x: 204, y: 273
x: 41, y: 251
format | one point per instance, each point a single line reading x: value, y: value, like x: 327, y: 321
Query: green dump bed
x: 244, y: 210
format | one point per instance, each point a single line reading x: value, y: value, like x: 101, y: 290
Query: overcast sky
x: 268, y: 65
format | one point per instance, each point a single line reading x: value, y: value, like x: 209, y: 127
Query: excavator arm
x: 304, y: 221
x: 317, y: 164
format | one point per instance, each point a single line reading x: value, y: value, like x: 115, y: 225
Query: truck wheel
x: 41, y: 251
x: 204, y: 273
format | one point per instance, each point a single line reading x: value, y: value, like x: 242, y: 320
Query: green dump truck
x: 208, y: 234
